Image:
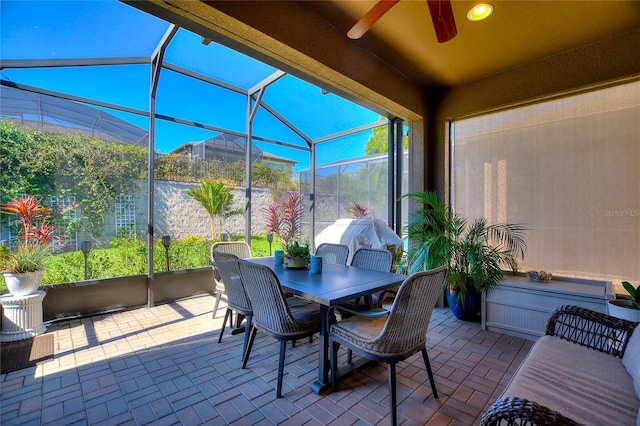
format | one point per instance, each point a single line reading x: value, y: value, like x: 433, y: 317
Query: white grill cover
x: 358, y: 233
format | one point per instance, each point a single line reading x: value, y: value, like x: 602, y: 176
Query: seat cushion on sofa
x: 588, y: 386
x: 631, y: 359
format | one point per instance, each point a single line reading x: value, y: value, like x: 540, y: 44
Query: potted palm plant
x: 23, y: 266
x: 474, y: 252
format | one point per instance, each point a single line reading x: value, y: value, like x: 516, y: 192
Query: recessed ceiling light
x: 480, y: 12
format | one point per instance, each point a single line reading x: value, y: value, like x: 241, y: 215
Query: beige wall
x: 606, y: 61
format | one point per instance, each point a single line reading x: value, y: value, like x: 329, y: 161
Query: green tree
x: 28, y: 162
x: 270, y: 177
x: 216, y: 198
x: 379, y: 142
x: 97, y: 173
x: 43, y: 164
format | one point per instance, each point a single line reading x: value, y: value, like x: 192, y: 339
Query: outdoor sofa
x: 584, y: 370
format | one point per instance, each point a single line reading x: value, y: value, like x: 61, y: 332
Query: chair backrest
x: 333, y: 253
x: 270, y: 309
x: 408, y: 320
x: 374, y: 259
x: 227, y: 265
x: 239, y: 248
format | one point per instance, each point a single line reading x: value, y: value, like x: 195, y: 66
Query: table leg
x: 323, y: 383
x: 323, y: 353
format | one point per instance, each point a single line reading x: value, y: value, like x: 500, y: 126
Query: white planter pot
x: 295, y: 263
x: 621, y: 308
x: 23, y: 284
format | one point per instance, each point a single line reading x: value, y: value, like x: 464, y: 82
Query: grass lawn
x: 129, y: 257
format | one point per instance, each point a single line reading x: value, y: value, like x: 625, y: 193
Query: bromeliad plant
x: 474, y: 252
x: 34, y: 238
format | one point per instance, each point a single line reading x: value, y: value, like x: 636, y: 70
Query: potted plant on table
x: 628, y: 309
x: 23, y: 266
x: 296, y: 256
x: 474, y: 252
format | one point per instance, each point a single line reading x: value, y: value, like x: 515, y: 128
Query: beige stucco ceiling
x: 518, y: 32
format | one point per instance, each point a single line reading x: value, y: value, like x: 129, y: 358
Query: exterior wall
x: 180, y: 216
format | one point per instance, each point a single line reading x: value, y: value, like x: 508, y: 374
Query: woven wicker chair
x: 238, y: 248
x: 272, y: 313
x: 333, y: 253
x: 237, y: 299
x: 395, y: 335
x: 376, y: 260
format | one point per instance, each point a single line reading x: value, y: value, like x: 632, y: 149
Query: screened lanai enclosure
x: 119, y: 114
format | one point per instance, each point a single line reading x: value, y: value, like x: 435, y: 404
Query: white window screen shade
x: 569, y: 169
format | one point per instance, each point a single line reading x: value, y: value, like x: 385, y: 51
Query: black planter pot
x: 469, y: 310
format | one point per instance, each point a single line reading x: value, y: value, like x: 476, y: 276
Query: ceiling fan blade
x: 443, y: 21
x: 370, y: 18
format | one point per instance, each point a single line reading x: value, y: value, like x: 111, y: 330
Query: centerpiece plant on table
x: 23, y: 266
x: 296, y: 255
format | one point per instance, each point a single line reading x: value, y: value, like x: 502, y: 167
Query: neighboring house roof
x: 229, y: 148
x: 278, y: 158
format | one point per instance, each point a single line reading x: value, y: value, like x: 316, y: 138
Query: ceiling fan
x: 441, y: 16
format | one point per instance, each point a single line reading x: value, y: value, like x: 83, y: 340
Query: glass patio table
x: 336, y: 284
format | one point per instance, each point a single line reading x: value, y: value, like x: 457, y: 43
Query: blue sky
x: 84, y: 29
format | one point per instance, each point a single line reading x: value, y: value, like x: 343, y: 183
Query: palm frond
x: 474, y: 252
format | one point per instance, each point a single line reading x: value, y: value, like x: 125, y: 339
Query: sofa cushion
x: 587, y: 386
x: 631, y: 359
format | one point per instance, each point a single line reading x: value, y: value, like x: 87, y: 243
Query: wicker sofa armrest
x: 517, y: 411
x: 592, y: 329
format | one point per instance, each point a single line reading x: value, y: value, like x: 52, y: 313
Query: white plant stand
x: 22, y: 316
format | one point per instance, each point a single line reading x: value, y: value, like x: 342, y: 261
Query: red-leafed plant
x: 358, y: 211
x: 285, y: 220
x: 34, y: 238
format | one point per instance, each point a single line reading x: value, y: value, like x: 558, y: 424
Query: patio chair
x: 238, y: 248
x: 333, y: 253
x: 237, y: 299
x: 395, y: 335
x: 376, y: 260
x: 272, y: 314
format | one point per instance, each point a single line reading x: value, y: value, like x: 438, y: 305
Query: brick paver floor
x: 164, y: 366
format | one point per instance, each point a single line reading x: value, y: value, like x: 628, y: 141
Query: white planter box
x: 520, y: 307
